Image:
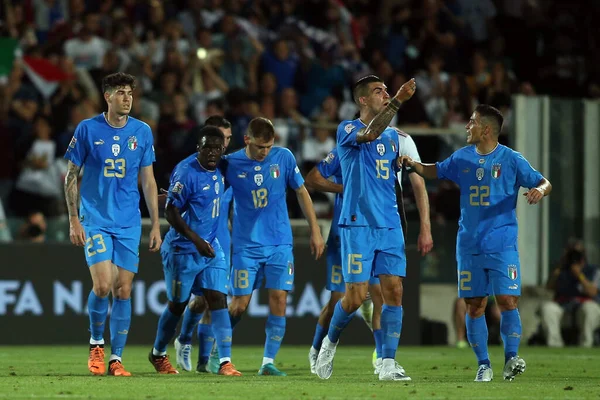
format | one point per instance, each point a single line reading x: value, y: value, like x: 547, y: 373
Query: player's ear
x: 246, y: 140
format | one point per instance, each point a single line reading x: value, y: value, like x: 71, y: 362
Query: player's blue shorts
x: 272, y: 264
x: 368, y: 252
x: 119, y: 245
x: 335, y: 278
x: 187, y: 273
x: 480, y: 275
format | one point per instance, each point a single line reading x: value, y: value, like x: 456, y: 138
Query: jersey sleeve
x: 407, y: 147
x: 330, y: 165
x: 527, y: 176
x: 179, y: 190
x: 78, y: 150
x: 448, y: 169
x: 346, y: 134
x: 149, y: 157
x: 294, y: 178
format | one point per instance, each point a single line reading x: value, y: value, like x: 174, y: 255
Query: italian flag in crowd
x: 44, y: 75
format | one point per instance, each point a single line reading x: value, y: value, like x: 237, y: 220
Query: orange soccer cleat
x: 115, y: 368
x: 228, y: 369
x: 161, y: 364
x: 96, y: 360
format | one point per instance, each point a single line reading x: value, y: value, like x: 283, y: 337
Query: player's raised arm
x: 316, y: 181
x: 151, y: 196
x: 317, y: 244
x: 76, y: 232
x: 373, y: 92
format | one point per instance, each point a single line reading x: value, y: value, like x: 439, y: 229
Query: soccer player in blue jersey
x: 113, y: 149
x: 369, y: 224
x: 490, y: 176
x: 327, y: 177
x: 197, y: 310
x: 262, y: 235
x: 193, y: 259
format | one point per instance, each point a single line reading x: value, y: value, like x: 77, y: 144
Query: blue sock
x: 97, y: 310
x: 320, y: 333
x: 378, y: 335
x: 339, y: 321
x: 166, y: 329
x: 510, y: 330
x: 206, y: 339
x: 477, y: 335
x: 190, y: 320
x: 391, y: 327
x: 120, y: 320
x: 221, y: 327
x: 234, y: 320
x: 275, y: 331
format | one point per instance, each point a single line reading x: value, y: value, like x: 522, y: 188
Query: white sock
x: 389, y: 363
x: 224, y: 359
x: 379, y: 360
x: 267, y: 360
x: 328, y: 343
x: 114, y: 357
x: 96, y: 342
x: 313, y: 350
x: 158, y: 353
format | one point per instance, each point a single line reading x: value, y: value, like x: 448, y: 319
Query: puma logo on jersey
x: 207, y: 187
x: 99, y: 142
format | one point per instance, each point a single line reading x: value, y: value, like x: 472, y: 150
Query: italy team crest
x: 512, y: 272
x: 132, y: 143
x: 496, y: 171
x: 274, y: 171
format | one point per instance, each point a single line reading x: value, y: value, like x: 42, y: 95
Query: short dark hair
x: 492, y: 116
x: 218, y: 121
x: 118, y: 79
x: 210, y: 131
x: 261, y: 128
x: 360, y: 87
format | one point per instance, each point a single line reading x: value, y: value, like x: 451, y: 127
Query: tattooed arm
x: 76, y: 232
x: 382, y: 120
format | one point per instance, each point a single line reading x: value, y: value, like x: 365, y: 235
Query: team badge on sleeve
x: 349, y: 128
x: 512, y: 272
x: 177, y: 187
x: 496, y: 171
x: 329, y: 158
x: 132, y: 143
x: 274, y: 171
x: 72, y: 143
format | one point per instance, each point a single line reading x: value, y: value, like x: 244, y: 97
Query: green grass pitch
x: 437, y: 372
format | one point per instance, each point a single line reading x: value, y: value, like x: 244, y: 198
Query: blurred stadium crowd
x: 292, y: 61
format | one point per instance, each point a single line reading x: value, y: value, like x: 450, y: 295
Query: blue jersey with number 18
x: 111, y: 159
x: 369, y: 177
x: 260, y: 214
x: 489, y: 188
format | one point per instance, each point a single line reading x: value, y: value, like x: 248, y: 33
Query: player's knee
x: 507, y: 303
x: 237, y: 307
x: 218, y: 302
x: 122, y: 290
x: 177, y: 308
x: 101, y: 289
x: 198, y: 304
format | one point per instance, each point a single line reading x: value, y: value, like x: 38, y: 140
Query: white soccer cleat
x: 324, y: 367
x: 184, y: 355
x: 513, y: 367
x: 379, y: 365
x: 392, y: 371
x: 313, y: 354
x: 484, y: 373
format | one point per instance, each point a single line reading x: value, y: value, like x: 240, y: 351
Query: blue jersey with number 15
x: 111, y: 159
x: 369, y: 177
x: 489, y: 188
x: 260, y: 214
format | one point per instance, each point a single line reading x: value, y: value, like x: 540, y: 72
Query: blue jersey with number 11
x: 260, y: 214
x: 369, y: 177
x: 111, y: 159
x: 489, y: 188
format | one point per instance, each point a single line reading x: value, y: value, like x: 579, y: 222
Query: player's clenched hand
x: 317, y: 244
x: 204, y: 248
x: 76, y: 232
x: 534, y: 195
x: 155, y: 239
x: 405, y: 161
x: 424, y: 242
x: 407, y: 90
